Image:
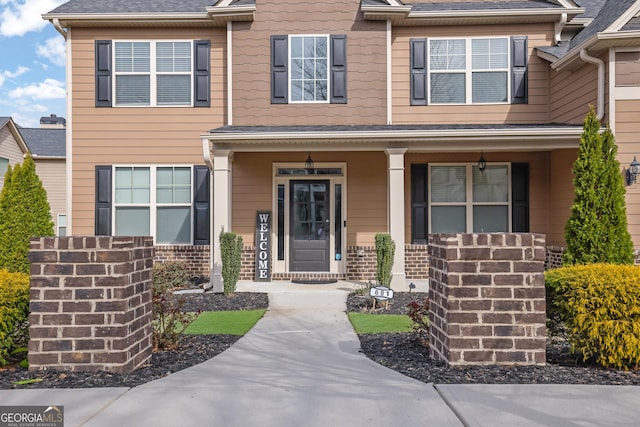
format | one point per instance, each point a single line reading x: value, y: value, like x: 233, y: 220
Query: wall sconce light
x: 308, y: 164
x: 633, y: 171
x: 482, y: 163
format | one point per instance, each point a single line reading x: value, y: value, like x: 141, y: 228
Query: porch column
x: 221, y: 208
x: 395, y: 208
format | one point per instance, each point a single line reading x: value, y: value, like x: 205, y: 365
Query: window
x: 153, y: 73
x: 62, y: 225
x: 4, y: 166
x: 469, y: 70
x: 308, y: 68
x: 153, y: 200
x: 463, y: 199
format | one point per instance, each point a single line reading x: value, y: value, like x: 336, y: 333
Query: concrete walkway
x: 301, y: 366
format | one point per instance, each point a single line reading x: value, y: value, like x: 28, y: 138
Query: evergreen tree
x: 597, y: 228
x: 24, y: 213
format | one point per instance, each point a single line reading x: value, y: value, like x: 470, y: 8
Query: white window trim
x: 66, y: 226
x: 290, y: 67
x: 469, y: 203
x: 468, y: 70
x: 153, y: 205
x: 153, y: 73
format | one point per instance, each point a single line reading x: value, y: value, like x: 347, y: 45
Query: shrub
x: 231, y: 253
x: 171, y: 274
x: 24, y: 213
x: 169, y: 319
x: 419, y: 315
x: 385, y: 250
x: 14, y: 313
x: 600, y: 306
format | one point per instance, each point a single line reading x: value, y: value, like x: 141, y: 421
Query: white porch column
x: 395, y: 208
x: 221, y: 209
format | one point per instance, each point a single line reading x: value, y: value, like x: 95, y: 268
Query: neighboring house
x: 47, y: 146
x: 341, y: 118
x: 48, y: 149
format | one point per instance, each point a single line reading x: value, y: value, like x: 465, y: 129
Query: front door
x: 309, y: 231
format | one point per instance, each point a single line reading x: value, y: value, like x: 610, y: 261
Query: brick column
x: 91, y: 303
x: 487, y: 298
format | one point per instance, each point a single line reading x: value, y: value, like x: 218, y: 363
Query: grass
x: 224, y: 322
x: 364, y: 323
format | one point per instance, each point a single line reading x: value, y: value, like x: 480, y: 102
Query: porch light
x: 633, y: 171
x: 482, y: 163
x: 308, y: 164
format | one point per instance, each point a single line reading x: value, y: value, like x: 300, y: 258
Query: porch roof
x: 413, y: 138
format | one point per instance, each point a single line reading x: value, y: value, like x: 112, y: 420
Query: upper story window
x: 469, y: 70
x: 488, y: 70
x: 309, y: 69
x: 153, y: 73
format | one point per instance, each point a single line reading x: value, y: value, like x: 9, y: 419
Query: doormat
x: 313, y: 281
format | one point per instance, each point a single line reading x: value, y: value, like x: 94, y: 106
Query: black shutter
x: 418, y: 59
x: 201, y: 205
x: 419, y: 204
x: 103, y: 73
x: 338, y: 69
x: 103, y: 201
x: 520, y: 197
x: 202, y: 73
x: 279, y: 73
x: 519, y: 63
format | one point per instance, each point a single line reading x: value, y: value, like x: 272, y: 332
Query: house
x: 47, y: 146
x: 307, y: 127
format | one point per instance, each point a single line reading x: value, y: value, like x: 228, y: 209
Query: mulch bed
x: 400, y: 352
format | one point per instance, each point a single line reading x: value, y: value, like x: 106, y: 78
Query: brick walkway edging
x: 91, y: 305
x: 487, y: 298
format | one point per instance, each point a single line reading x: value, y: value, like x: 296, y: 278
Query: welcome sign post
x: 263, y: 246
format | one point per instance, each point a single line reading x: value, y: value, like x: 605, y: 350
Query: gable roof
x: 45, y: 143
x: 14, y: 130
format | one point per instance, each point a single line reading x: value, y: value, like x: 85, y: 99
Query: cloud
x: 18, y: 17
x: 48, y: 89
x: 54, y: 50
x: 4, y: 75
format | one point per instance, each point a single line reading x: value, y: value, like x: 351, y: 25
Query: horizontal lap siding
x: 105, y: 136
x: 536, y: 111
x: 366, y: 64
x: 9, y: 149
x: 628, y: 69
x: 627, y: 131
x: 538, y: 181
x: 53, y: 173
x: 366, y: 186
x: 561, y: 194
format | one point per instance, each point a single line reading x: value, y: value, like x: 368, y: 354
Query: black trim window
x: 308, y: 69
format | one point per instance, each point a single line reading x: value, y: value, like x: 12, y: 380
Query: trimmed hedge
x: 385, y: 250
x: 599, y: 304
x: 231, y: 252
x: 170, y: 274
x: 14, y: 312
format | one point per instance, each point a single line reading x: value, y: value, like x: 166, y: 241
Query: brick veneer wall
x: 361, y: 262
x: 91, y: 303
x: 487, y: 298
x: 196, y: 257
x: 416, y: 261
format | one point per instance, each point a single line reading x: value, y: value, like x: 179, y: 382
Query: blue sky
x: 32, y: 62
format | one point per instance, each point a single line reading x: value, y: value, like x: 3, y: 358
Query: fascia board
x: 546, y: 56
x: 494, y: 13
x: 36, y: 157
x: 610, y: 37
x: 17, y: 136
x: 625, y: 17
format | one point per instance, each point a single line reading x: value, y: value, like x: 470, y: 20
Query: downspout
x: 600, y: 64
x: 56, y: 24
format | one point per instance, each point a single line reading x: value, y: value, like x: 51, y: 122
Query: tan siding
x: 536, y: 111
x: 52, y: 173
x: 628, y: 69
x: 538, y: 181
x: 366, y: 64
x: 627, y: 131
x: 9, y: 149
x: 106, y: 136
x: 561, y: 194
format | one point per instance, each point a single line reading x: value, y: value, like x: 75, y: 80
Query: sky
x: 32, y: 62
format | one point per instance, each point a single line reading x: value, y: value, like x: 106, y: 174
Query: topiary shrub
x: 24, y: 213
x: 170, y: 274
x: 385, y: 250
x: 599, y: 304
x: 231, y: 253
x: 14, y: 313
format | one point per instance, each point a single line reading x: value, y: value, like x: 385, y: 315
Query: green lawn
x: 225, y: 322
x: 364, y: 323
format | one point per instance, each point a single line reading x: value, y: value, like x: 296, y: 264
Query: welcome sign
x: 263, y: 246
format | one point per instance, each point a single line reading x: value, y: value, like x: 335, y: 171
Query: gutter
x: 600, y: 64
x: 56, y: 24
